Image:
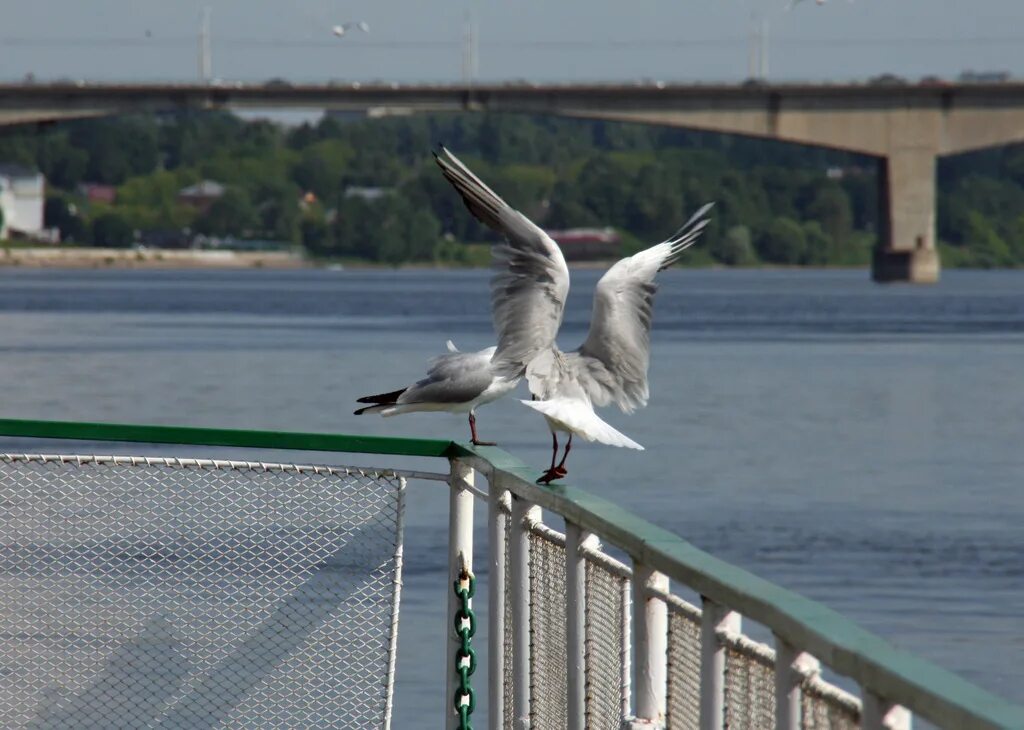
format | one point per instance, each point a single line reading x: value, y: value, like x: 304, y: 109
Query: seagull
x: 456, y: 382
x: 340, y: 30
x: 793, y: 3
x: 528, y: 295
x: 461, y: 382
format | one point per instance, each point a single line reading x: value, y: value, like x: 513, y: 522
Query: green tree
x: 831, y: 208
x: 321, y: 168
x: 57, y: 213
x: 784, y: 242
x: 316, y: 236
x: 734, y: 248
x: 233, y: 214
x: 987, y: 248
x: 111, y: 230
x: 819, y: 249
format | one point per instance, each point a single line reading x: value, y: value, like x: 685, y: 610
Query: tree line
x: 368, y: 189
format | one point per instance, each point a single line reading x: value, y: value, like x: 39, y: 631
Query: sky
x: 533, y: 40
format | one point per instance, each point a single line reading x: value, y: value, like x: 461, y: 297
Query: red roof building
x: 587, y: 244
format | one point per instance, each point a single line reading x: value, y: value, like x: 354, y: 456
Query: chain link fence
x: 173, y: 593
x: 749, y: 667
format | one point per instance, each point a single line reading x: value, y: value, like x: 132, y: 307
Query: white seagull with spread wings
x: 528, y: 295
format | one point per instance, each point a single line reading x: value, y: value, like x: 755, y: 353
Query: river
x: 859, y: 444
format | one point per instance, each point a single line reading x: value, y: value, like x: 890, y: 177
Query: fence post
x: 460, y: 555
x: 650, y: 617
x: 880, y: 714
x: 787, y: 686
x: 496, y: 520
x: 575, y: 624
x: 523, y: 514
x: 714, y: 618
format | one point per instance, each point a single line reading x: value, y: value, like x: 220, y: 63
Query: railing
x: 579, y: 639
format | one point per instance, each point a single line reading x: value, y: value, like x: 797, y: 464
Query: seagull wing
x: 611, y: 365
x: 531, y: 280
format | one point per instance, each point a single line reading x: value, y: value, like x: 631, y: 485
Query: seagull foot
x: 551, y: 474
x: 483, y: 443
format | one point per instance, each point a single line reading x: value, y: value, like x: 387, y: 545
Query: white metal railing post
x: 625, y: 651
x: 496, y: 520
x: 788, y: 679
x: 575, y: 623
x: 880, y: 714
x: 650, y: 621
x: 714, y: 618
x: 523, y: 514
x: 460, y: 557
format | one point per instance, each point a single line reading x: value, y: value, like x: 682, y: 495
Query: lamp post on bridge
x: 205, y: 59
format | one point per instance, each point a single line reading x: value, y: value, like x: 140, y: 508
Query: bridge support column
x: 906, y: 242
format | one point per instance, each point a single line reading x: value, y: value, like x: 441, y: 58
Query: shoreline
x: 120, y: 258
x: 46, y: 257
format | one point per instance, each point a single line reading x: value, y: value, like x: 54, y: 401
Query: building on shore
x: 22, y: 195
x: 588, y: 244
x: 201, y: 195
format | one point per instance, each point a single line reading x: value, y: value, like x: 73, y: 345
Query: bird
x: 340, y: 30
x: 456, y: 382
x: 461, y: 382
x: 793, y: 3
x: 528, y: 294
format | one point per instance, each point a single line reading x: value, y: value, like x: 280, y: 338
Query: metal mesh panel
x: 548, y: 681
x: 749, y: 690
x: 604, y: 642
x: 144, y: 592
x: 821, y: 709
x: 683, y: 671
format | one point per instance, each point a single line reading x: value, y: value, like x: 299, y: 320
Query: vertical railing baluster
x: 523, y: 514
x: 650, y: 620
x: 460, y: 556
x: 626, y: 649
x: 787, y: 686
x: 714, y: 618
x: 880, y: 714
x: 575, y: 624
x: 496, y: 520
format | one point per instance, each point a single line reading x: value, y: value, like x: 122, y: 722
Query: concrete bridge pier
x: 906, y: 241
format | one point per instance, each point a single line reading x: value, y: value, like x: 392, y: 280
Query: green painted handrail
x: 290, y: 440
x: 930, y: 691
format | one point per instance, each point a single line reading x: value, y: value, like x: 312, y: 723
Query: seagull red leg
x: 560, y: 470
x: 472, y: 432
x: 552, y: 472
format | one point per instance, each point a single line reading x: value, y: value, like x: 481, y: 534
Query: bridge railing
x: 578, y: 638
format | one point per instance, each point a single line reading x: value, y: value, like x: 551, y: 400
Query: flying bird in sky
x: 340, y: 30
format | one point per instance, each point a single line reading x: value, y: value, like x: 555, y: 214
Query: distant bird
x: 340, y: 30
x: 528, y: 295
x: 458, y: 382
x: 793, y: 3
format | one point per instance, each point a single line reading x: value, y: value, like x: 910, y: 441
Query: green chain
x: 465, y: 658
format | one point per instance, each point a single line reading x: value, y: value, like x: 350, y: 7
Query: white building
x: 22, y: 194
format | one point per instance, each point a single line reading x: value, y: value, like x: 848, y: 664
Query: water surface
x: 859, y: 444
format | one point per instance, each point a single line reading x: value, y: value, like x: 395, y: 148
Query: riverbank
x: 118, y: 258
x: 49, y: 257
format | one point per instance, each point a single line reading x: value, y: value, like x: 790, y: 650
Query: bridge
x: 906, y: 127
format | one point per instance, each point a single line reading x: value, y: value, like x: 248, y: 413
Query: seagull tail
x: 380, y: 401
x: 581, y: 419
